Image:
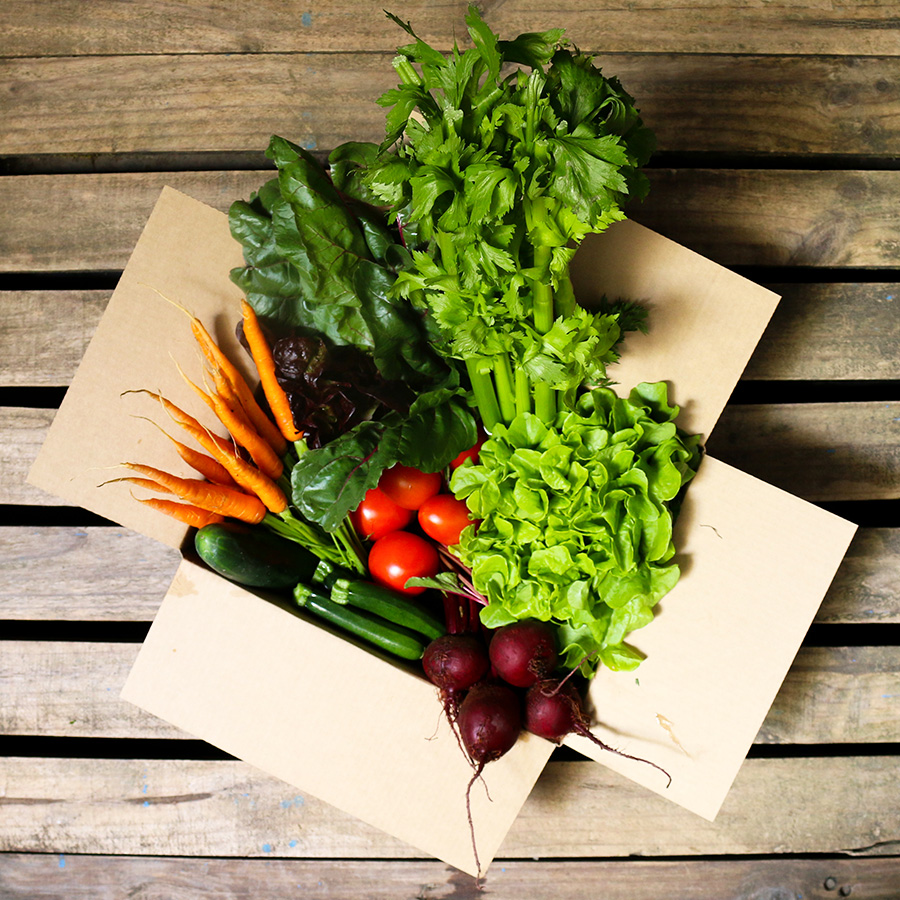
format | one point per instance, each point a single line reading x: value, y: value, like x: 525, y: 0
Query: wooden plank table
x: 779, y: 136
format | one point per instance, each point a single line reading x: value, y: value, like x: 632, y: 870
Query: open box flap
x: 756, y: 563
x: 325, y: 715
x: 185, y: 253
x: 704, y: 320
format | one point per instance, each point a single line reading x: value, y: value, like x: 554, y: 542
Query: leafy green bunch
x: 321, y: 260
x: 576, y: 519
x: 503, y: 173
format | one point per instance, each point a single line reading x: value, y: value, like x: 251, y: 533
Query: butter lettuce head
x: 577, y: 517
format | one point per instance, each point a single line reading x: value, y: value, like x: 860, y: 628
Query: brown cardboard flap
x: 756, y: 563
x: 704, y: 321
x: 185, y: 252
x: 324, y: 715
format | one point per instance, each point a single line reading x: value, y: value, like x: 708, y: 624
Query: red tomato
x: 378, y: 515
x: 443, y: 518
x: 408, y: 487
x: 398, y: 556
x: 471, y: 453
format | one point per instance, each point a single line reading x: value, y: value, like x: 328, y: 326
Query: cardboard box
x: 260, y: 681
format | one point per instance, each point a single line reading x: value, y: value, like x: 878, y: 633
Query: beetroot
x: 455, y: 662
x: 523, y: 652
x: 490, y: 721
x: 553, y: 709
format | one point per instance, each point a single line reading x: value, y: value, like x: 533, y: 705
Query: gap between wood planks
x: 252, y: 160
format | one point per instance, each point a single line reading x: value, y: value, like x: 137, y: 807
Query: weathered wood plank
x: 59, y: 28
x: 225, y: 102
x: 82, y: 574
x: 72, y: 877
x: 837, y: 695
x: 111, y: 574
x: 43, y: 334
x: 866, y: 587
x: 733, y: 216
x: 227, y: 808
x: 819, y: 332
x: 830, y: 332
x: 819, y: 451
x: 25, y: 431
x: 103, y: 214
x: 778, y: 217
x: 63, y: 689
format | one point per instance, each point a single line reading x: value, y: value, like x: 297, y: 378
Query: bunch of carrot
x: 243, y: 478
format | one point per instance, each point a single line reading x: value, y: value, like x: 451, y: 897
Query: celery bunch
x: 499, y: 175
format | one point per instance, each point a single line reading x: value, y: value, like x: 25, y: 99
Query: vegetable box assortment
x: 418, y: 554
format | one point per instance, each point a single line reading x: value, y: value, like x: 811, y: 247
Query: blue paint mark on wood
x: 62, y: 861
x: 267, y: 848
x: 306, y: 19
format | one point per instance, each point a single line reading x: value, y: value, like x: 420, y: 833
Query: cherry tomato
x: 400, y: 555
x: 443, y: 518
x: 471, y: 453
x: 378, y: 515
x: 408, y: 487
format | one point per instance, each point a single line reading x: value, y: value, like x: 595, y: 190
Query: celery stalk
x: 485, y: 396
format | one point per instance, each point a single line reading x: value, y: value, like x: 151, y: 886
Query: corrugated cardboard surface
x: 704, y: 321
x: 340, y: 722
x: 185, y: 253
x: 756, y: 563
x: 325, y: 715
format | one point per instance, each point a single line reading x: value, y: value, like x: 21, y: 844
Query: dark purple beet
x: 455, y: 662
x: 522, y: 652
x: 489, y: 721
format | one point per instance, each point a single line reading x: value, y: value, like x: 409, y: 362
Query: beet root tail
x: 582, y: 729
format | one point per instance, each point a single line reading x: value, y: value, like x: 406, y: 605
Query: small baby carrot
x: 184, y: 512
x: 243, y: 432
x: 265, y: 366
x: 212, y: 497
x: 218, y: 360
x: 209, y: 468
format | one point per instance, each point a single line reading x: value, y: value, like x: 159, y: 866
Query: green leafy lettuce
x: 576, y: 519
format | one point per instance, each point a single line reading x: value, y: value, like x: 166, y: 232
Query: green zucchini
x: 385, y: 635
x: 253, y: 556
x: 387, y: 604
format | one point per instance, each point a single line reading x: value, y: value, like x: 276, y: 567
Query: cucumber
x: 253, y: 556
x: 385, y: 635
x: 387, y: 604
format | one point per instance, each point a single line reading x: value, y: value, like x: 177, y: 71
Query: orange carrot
x: 146, y: 483
x: 184, y: 512
x: 265, y: 366
x: 218, y: 360
x: 212, y: 497
x: 231, y: 414
x: 208, y: 467
x: 251, y: 479
x: 199, y: 432
x: 240, y: 428
x: 245, y: 475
